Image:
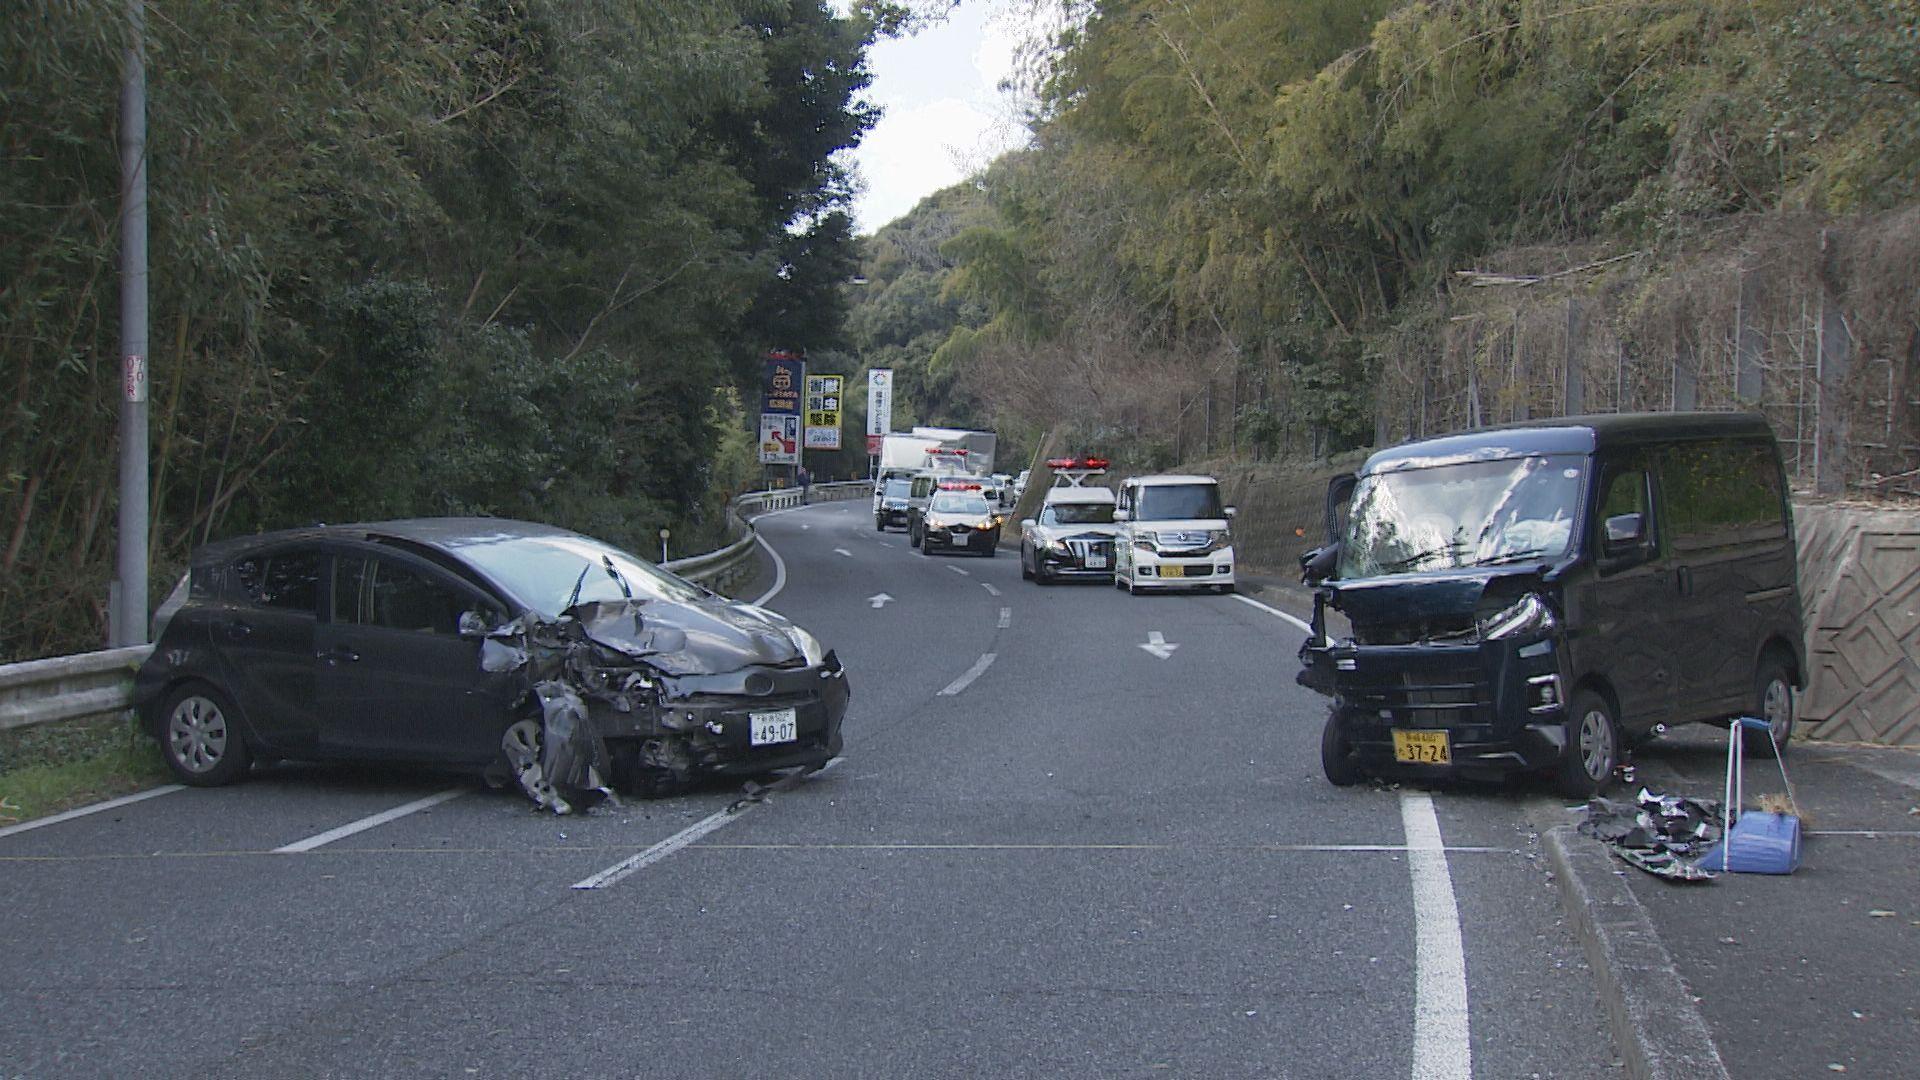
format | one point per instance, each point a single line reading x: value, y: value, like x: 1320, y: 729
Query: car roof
x: 1170, y: 479
x: 1566, y: 435
x: 446, y: 533
x: 1090, y: 495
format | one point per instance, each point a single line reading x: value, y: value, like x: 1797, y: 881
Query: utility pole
x: 129, y: 609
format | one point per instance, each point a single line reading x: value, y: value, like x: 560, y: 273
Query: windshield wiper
x: 625, y: 591
x: 1512, y: 557
x: 1422, y: 556
x: 574, y: 596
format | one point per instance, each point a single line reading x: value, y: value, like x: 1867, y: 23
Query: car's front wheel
x: 200, y: 736
x: 1336, y: 753
x: 523, y: 745
x: 1593, y: 746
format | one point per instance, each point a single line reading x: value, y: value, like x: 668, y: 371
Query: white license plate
x: 1096, y: 562
x: 780, y: 726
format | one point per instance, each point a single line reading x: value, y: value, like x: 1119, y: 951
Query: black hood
x: 703, y: 637
x: 1413, y: 598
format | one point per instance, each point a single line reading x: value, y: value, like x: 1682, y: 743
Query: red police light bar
x: 956, y: 451
x: 958, y: 485
x: 1083, y: 462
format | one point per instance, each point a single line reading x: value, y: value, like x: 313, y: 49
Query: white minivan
x: 1173, y: 535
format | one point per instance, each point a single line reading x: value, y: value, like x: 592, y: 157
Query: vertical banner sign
x: 780, y: 408
x: 823, y: 411
x: 879, y: 407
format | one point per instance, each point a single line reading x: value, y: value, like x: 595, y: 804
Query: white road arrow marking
x: 1006, y: 617
x: 843, y: 551
x: 879, y: 599
x: 1158, y: 645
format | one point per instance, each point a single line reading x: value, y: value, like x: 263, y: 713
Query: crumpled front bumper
x: 1491, y: 698
x: 710, y: 718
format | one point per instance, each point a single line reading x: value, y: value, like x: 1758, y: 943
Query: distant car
x: 1071, y: 538
x: 1020, y: 483
x: 960, y: 520
x: 521, y: 651
x: 890, y: 502
x: 1174, y: 534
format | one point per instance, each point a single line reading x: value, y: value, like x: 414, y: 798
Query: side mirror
x: 1026, y: 524
x: 1317, y: 565
x: 474, y: 624
x: 1122, y: 515
x: 1231, y: 510
x: 1625, y: 532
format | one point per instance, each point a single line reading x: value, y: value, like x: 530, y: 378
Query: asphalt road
x: 1047, y: 852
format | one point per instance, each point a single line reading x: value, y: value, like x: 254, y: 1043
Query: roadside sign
x: 823, y: 411
x: 879, y: 403
x: 780, y: 390
x: 779, y: 439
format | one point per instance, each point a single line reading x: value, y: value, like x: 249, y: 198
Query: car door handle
x: 337, y: 654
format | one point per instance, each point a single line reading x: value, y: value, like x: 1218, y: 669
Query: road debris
x: 1660, y: 834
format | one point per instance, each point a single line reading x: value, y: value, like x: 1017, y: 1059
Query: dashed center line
x: 991, y: 591
x: 1006, y: 617
x: 843, y: 551
x: 978, y: 669
x: 365, y: 823
x: 960, y: 571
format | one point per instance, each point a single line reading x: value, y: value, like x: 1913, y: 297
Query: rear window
x: 284, y: 580
x: 1178, y: 502
x: 1721, y: 492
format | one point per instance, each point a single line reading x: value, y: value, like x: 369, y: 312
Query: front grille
x: 1433, y: 695
x: 1449, y: 627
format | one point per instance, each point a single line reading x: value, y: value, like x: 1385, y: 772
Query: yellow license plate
x: 1172, y: 571
x: 1422, y: 747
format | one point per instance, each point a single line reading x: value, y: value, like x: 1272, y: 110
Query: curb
x: 1655, y: 1023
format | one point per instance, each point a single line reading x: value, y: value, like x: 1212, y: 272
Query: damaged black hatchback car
x: 526, y: 652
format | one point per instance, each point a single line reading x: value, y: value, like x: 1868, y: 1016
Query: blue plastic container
x: 1760, y: 843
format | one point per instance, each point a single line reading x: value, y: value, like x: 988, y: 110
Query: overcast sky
x: 945, y: 118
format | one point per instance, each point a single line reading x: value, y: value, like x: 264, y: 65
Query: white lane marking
x: 843, y: 551
x: 1006, y: 617
x: 365, y: 823
x: 110, y: 804
x: 1290, y: 849
x: 960, y: 571
x: 678, y: 841
x: 1442, y: 1046
x: 1158, y: 645
x: 991, y: 591
x: 779, y: 571
x: 1276, y: 612
x: 884, y: 543
x: 979, y: 668
x: 879, y: 600
x: 804, y: 527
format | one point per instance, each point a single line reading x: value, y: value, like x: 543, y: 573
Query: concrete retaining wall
x: 1860, y: 584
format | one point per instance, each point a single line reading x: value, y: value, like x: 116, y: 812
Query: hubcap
x: 1776, y: 708
x: 521, y: 745
x: 1596, y: 744
x: 197, y: 734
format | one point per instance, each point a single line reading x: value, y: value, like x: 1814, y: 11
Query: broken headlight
x: 1526, y: 617
x: 809, y: 646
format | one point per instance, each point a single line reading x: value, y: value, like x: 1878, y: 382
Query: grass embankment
x: 49, y: 769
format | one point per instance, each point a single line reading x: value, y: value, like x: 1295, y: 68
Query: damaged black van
x: 1538, y: 597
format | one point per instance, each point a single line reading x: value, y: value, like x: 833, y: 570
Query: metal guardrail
x: 68, y: 687
x: 100, y: 683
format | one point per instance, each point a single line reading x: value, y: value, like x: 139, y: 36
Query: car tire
x: 200, y: 736
x: 1226, y: 590
x: 925, y: 548
x: 1593, y: 747
x: 1336, y: 753
x: 1773, y: 702
x: 520, y: 745
x: 879, y: 524
x: 1026, y: 572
